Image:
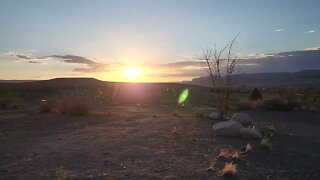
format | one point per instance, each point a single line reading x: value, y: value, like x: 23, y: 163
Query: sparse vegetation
x: 255, y: 94
x: 73, y: 105
x: 228, y: 154
x: 212, y: 166
x: 229, y: 169
x: 221, y: 72
x: 9, y: 100
x: 67, y: 105
x: 274, y: 103
x: 248, y: 148
x: 46, y: 107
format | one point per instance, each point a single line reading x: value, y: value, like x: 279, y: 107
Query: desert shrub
x: 271, y: 103
x: 290, y: 95
x: 255, y: 94
x: 73, y: 105
x: 229, y: 169
x: 79, y: 109
x: 46, y: 106
x: 9, y: 100
x: 242, y: 105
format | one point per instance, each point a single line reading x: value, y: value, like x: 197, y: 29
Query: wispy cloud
x: 279, y: 30
x: 312, y: 48
x: 91, y: 65
x: 311, y: 31
x: 72, y: 59
x: 257, y: 56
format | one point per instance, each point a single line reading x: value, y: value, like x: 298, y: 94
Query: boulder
x: 250, y: 133
x: 242, y: 118
x: 214, y: 116
x: 227, y: 128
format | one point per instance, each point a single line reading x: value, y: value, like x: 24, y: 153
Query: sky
x: 157, y: 41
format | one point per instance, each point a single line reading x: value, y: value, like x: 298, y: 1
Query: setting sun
x: 132, y: 73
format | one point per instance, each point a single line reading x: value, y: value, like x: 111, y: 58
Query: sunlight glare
x: 132, y: 73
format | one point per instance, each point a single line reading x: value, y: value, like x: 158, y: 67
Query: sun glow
x: 132, y: 73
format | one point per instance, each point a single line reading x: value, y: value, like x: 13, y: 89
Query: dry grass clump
x: 227, y: 154
x: 67, y: 105
x: 73, y: 106
x: 235, y: 155
x: 9, y: 100
x: 248, y: 148
x: 212, y: 166
x: 46, y: 107
x: 273, y: 103
x: 229, y: 169
x: 223, y: 153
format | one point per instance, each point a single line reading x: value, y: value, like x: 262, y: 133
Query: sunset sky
x: 154, y: 40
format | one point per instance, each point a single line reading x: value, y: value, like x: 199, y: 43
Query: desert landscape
x: 125, y: 134
x: 161, y: 89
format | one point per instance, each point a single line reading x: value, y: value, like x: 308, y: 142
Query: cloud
x: 257, y: 56
x: 185, y: 69
x: 91, y: 65
x: 311, y: 31
x: 23, y: 56
x: 34, y: 62
x: 279, y: 30
x: 72, y: 59
x: 312, y: 48
x: 284, y: 62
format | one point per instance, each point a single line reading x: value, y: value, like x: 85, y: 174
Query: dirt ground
x: 151, y: 143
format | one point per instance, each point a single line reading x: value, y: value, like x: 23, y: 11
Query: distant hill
x: 15, y: 81
x: 108, y: 92
x: 50, y: 85
x: 301, y: 78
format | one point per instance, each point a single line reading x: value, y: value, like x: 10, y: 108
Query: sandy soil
x: 151, y: 143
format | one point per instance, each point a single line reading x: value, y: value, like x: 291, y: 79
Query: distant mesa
x: 300, y: 78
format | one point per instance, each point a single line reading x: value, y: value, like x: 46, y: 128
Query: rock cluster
x: 236, y: 127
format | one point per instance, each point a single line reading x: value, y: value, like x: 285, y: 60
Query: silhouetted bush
x: 255, y: 94
x: 271, y: 103
x: 79, y: 109
x: 243, y: 105
x: 9, y: 100
x: 290, y: 95
x: 46, y: 107
x: 73, y: 105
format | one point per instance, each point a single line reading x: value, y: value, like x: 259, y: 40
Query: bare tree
x: 220, y: 71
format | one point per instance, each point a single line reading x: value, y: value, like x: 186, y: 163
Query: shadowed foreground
x: 153, y: 143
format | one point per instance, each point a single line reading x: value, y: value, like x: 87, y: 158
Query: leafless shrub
x: 221, y: 73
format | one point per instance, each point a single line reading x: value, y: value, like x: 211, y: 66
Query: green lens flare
x: 183, y: 96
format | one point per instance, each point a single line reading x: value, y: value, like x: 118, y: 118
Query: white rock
x: 227, y: 128
x: 214, y: 116
x: 242, y: 118
x: 250, y: 133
